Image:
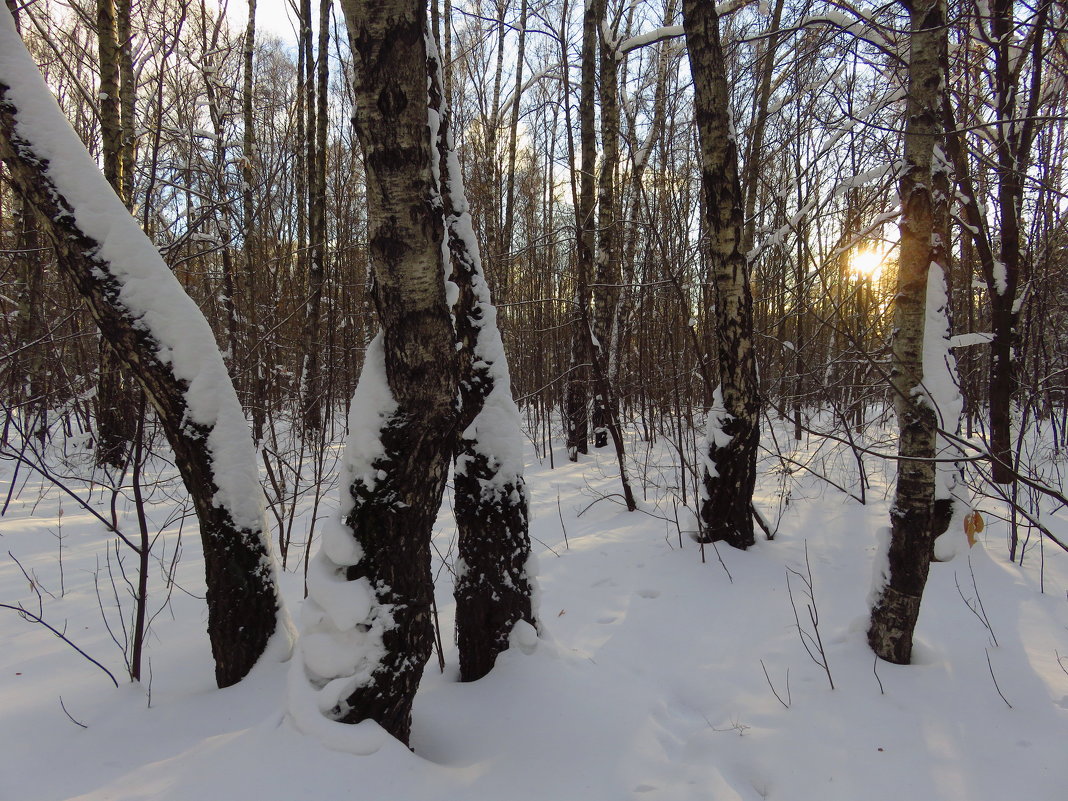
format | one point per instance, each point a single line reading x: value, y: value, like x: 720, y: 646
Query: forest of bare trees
x: 697, y: 222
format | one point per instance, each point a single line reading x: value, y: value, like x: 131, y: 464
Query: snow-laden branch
x: 667, y: 32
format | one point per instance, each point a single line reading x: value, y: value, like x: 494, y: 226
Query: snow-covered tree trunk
x: 607, y: 272
x: 164, y: 340
x: 494, y: 575
x: 923, y: 189
x: 367, y: 629
x: 733, y: 431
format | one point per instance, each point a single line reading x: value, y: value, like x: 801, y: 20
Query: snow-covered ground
x: 646, y: 684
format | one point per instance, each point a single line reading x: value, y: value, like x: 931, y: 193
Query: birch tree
x: 163, y: 339
x: 367, y: 620
x: 923, y: 188
x: 495, y: 569
x: 732, y: 432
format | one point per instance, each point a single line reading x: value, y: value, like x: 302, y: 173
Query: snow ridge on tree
x: 155, y: 327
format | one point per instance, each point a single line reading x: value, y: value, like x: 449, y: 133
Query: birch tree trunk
x: 495, y: 572
x: 729, y: 473
x: 606, y: 287
x: 923, y: 199
x: 403, y: 418
x: 164, y: 341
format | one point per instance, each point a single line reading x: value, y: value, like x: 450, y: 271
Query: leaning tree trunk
x: 897, y: 603
x: 370, y: 588
x: 164, y: 340
x: 733, y: 434
x: 494, y: 585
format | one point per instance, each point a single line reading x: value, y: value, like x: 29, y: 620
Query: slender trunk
x: 127, y: 100
x: 606, y: 287
x: 311, y: 380
x: 733, y: 435
x: 908, y: 555
x: 753, y: 156
x: 513, y: 132
x: 114, y: 402
x: 577, y: 391
x: 254, y: 400
x: 27, y: 368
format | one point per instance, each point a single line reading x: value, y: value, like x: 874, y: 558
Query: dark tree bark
x: 896, y: 610
x: 392, y: 513
x: 243, y: 607
x: 576, y: 402
x: 733, y: 431
x: 513, y: 133
x: 115, y: 403
x: 254, y: 397
x: 27, y: 369
x: 1000, y: 251
x: 311, y: 379
x: 493, y: 588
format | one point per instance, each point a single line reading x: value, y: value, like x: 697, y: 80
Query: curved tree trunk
x: 495, y: 577
x: 164, y: 340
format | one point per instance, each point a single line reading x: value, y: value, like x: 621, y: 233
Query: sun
x: 866, y: 263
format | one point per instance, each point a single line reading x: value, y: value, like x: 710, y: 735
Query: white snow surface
x: 646, y: 682
x: 371, y: 408
x: 941, y: 385
x: 973, y: 338
x: 149, y: 290
x: 341, y: 624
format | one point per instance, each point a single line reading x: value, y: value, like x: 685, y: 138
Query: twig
x: 981, y: 611
x: 720, y: 558
x: 759, y: 518
x: 560, y: 512
x: 69, y: 715
x: 809, y: 640
x: 992, y: 676
x: 27, y: 615
x: 875, y: 670
x: 775, y: 692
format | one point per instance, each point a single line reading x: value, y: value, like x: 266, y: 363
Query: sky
x: 273, y: 16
